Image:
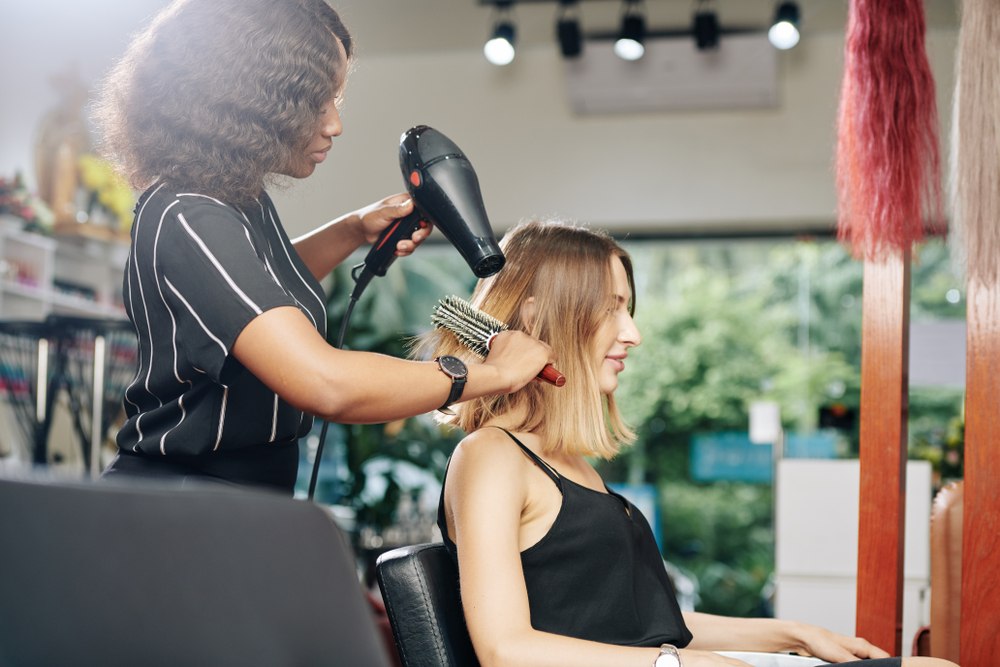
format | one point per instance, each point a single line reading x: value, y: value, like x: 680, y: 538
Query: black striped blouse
x: 198, y: 272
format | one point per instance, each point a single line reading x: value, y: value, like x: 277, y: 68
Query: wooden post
x: 884, y: 409
x: 980, y: 623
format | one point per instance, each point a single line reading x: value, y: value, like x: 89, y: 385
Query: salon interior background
x: 705, y: 171
x: 697, y: 171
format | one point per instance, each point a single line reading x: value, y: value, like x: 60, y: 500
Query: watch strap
x: 457, y: 382
x: 457, y: 387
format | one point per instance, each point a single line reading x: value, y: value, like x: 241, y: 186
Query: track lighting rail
x: 705, y: 28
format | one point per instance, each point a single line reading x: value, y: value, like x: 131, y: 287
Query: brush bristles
x: 471, y: 326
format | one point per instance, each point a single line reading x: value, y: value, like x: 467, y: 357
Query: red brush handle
x: 549, y: 373
x: 552, y: 376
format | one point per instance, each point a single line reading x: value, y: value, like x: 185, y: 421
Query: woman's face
x: 328, y: 126
x: 618, y: 333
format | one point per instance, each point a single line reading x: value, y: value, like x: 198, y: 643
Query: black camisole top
x: 597, y: 574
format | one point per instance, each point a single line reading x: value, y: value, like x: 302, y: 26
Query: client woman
x: 555, y: 569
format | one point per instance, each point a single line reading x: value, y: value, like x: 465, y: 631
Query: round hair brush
x: 475, y: 330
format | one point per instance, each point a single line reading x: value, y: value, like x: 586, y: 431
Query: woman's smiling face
x: 618, y: 333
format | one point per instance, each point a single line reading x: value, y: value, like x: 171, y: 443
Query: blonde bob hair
x: 567, y: 269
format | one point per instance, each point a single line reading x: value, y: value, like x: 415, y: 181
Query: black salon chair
x: 126, y: 574
x: 420, y: 587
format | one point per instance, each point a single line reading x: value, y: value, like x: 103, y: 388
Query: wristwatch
x: 454, y: 368
x: 668, y: 657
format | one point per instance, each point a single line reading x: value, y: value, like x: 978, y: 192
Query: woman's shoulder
x: 489, y: 467
x: 163, y: 196
x: 487, y: 449
x: 186, y: 210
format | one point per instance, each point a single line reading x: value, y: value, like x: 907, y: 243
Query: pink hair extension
x: 975, y: 156
x: 888, y: 161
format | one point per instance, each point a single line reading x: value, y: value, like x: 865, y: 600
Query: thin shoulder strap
x: 546, y: 468
x: 441, y: 521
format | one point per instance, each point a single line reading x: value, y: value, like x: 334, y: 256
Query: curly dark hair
x: 217, y: 95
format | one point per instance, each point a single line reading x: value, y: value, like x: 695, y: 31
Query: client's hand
x: 832, y: 647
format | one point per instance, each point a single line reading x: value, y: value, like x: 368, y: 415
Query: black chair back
x: 113, y: 574
x: 420, y: 588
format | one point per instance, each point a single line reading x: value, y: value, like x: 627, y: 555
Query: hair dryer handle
x: 383, y: 252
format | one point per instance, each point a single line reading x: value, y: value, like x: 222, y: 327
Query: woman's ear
x: 527, y: 313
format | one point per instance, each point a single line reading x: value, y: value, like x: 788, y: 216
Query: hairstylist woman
x: 210, y: 103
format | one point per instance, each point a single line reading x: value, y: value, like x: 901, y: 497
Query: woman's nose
x: 332, y: 127
x: 629, y: 334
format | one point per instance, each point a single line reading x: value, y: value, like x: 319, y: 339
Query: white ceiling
x: 396, y: 26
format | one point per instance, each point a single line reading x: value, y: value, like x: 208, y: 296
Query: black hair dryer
x: 445, y: 192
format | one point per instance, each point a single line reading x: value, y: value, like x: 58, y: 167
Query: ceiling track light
x: 568, y: 31
x: 630, y: 42
x: 705, y: 27
x: 499, y: 48
x: 631, y: 36
x: 784, y: 31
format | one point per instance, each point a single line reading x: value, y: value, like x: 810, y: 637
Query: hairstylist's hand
x: 690, y: 658
x: 518, y: 358
x: 376, y: 217
x: 832, y: 647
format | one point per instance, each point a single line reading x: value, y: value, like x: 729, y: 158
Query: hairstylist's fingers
x: 519, y: 357
x: 375, y: 218
x: 407, y: 246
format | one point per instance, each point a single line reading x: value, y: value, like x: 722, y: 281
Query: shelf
x: 85, y: 256
x: 86, y: 230
x: 24, y: 290
x: 71, y: 305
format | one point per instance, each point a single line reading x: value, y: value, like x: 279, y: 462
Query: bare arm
x: 722, y: 633
x: 283, y: 350
x: 485, y: 494
x: 327, y: 246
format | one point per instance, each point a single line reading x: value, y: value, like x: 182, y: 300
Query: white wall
x: 686, y: 171
x: 818, y: 560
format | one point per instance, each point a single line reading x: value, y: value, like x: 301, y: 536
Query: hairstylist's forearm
x: 324, y: 248
x: 282, y: 349
x: 385, y: 388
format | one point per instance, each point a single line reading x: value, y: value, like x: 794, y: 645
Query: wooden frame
x: 979, y: 636
x: 884, y: 412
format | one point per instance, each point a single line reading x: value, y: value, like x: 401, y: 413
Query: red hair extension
x: 975, y: 163
x: 888, y: 161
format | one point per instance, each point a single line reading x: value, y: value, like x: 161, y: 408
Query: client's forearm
x: 540, y: 649
x: 722, y: 633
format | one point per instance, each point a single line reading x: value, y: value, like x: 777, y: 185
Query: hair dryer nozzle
x: 445, y: 191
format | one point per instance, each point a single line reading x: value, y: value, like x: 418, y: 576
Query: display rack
x: 25, y: 359
x: 73, y: 272
x: 92, y: 360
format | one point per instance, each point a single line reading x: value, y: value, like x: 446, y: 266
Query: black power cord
x: 355, y: 295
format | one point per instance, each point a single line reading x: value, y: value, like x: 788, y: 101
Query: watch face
x: 453, y: 366
x: 668, y: 657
